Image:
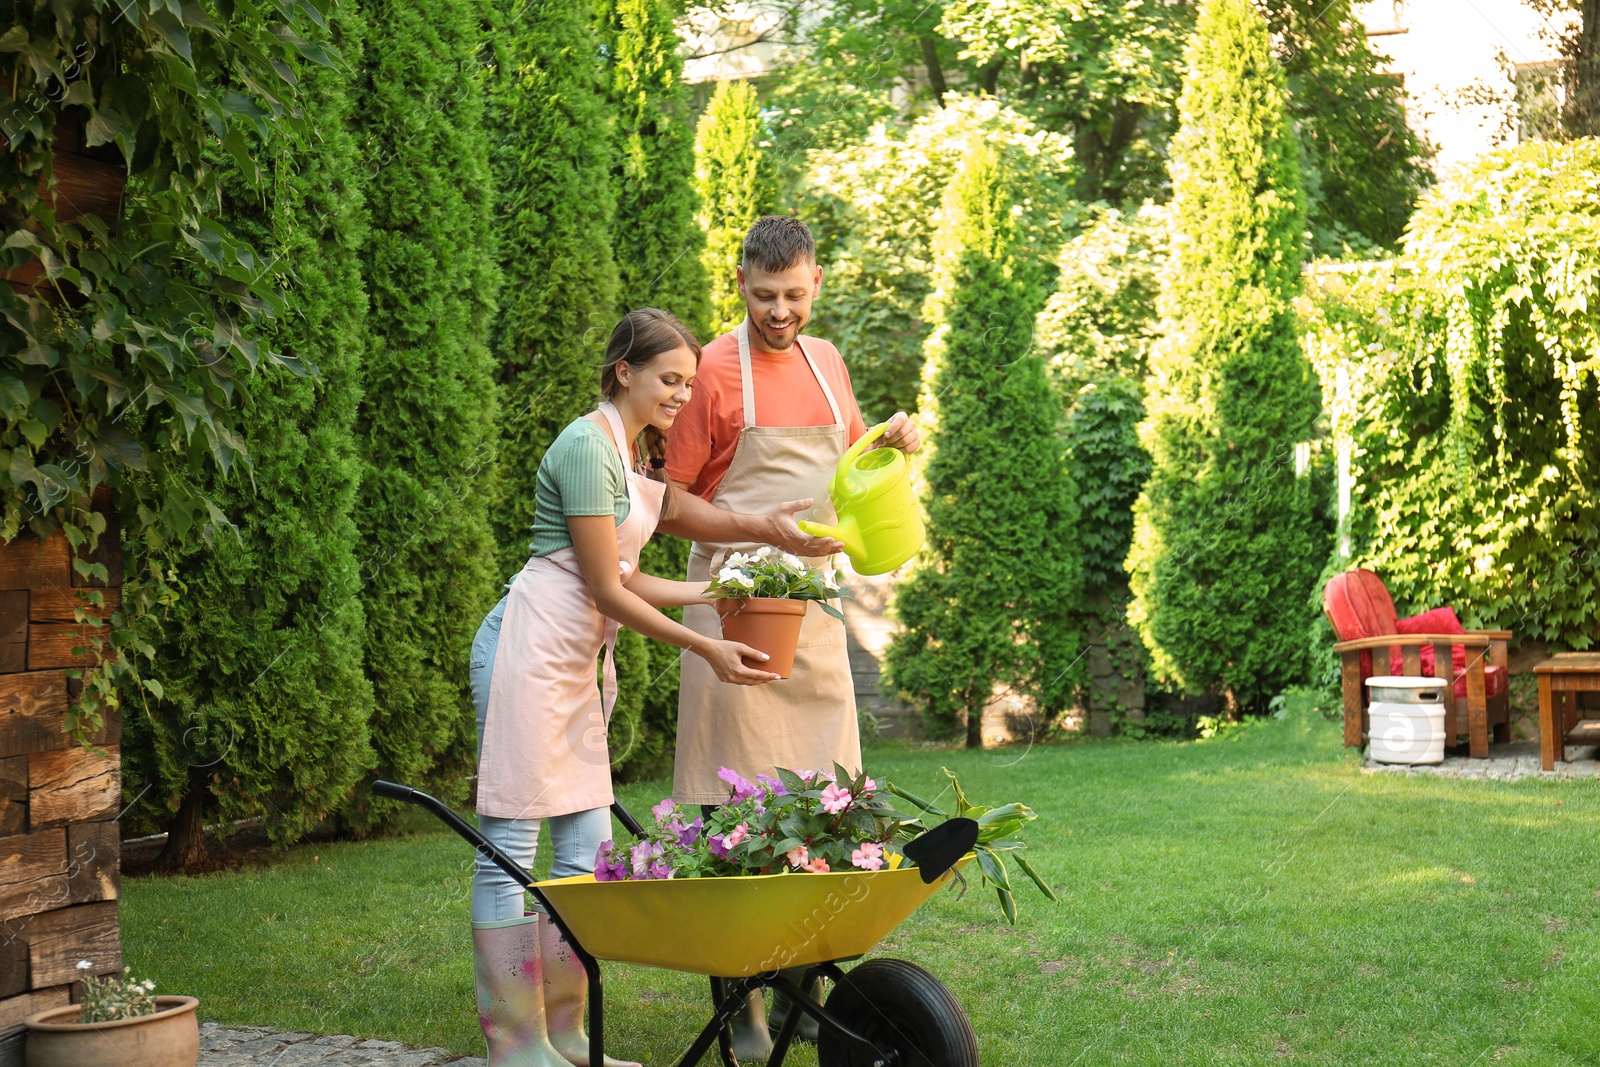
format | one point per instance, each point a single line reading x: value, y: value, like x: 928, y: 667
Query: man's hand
x: 782, y: 532
x: 902, y: 434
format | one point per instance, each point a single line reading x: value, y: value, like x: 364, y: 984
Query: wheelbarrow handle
x: 625, y: 817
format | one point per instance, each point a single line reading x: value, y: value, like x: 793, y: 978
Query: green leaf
x: 1008, y: 905
x: 1027, y: 869
x: 155, y: 688
x: 173, y: 32
x: 35, y: 431
x: 106, y: 125
x: 236, y: 144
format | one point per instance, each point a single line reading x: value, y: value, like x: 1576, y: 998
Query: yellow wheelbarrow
x: 741, y: 931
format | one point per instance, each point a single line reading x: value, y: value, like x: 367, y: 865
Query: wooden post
x: 59, y: 841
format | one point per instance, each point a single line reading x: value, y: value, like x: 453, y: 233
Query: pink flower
x: 870, y: 786
x: 736, y: 835
x: 817, y: 866
x: 869, y: 857
x: 834, y: 799
x: 797, y: 857
x: 664, y: 810
x: 606, y: 867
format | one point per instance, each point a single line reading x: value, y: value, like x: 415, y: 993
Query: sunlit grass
x: 1254, y: 898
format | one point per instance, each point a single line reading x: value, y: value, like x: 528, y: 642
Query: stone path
x: 1506, y: 763
x: 255, y: 1046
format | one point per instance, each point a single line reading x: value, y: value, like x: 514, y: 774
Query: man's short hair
x: 778, y: 242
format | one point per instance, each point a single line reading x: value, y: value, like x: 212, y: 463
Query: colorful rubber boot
x: 566, y: 991
x: 751, y: 1041
x: 781, y: 1006
x: 510, y: 982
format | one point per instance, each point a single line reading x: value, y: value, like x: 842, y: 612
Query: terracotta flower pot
x: 169, y: 1038
x: 771, y: 624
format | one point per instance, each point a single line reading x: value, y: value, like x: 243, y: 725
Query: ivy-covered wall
x: 1461, y: 381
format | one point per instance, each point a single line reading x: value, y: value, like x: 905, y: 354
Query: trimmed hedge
x: 428, y: 418
x: 736, y: 186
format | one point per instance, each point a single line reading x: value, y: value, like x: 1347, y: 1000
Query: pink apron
x: 544, y: 737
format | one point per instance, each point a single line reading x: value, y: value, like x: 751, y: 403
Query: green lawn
x: 1249, y: 899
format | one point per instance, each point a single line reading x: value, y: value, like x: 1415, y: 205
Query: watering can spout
x: 845, y: 533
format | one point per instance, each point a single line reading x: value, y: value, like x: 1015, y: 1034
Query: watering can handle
x: 836, y: 487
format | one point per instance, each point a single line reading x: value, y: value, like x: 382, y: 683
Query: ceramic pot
x: 771, y: 624
x: 169, y: 1038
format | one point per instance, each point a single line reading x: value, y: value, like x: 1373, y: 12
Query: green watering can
x: 879, y: 521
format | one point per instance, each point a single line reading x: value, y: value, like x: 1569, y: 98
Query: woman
x: 541, y: 715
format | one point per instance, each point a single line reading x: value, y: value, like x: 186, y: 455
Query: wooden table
x: 1561, y: 678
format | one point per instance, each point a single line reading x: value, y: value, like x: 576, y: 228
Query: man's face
x: 779, y: 302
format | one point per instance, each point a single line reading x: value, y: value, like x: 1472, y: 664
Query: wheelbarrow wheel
x: 897, y: 1005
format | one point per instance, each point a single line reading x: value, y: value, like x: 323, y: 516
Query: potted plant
x: 762, y: 598
x: 119, y: 1023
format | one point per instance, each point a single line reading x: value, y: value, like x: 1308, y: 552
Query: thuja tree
x: 658, y: 243
x: 265, y: 706
x: 427, y: 419
x: 1228, y: 539
x: 987, y: 607
x: 141, y: 327
x: 734, y: 179
x: 555, y: 208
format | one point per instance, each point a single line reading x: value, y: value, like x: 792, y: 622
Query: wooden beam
x: 51, y: 645
x: 28, y: 563
x: 13, y: 795
x: 73, y: 785
x: 13, y: 630
x: 57, y: 940
x: 33, y: 712
x: 94, y: 869
x: 58, y: 605
x: 33, y: 874
x: 15, y: 1009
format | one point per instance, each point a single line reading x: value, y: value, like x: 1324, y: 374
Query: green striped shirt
x: 581, y: 474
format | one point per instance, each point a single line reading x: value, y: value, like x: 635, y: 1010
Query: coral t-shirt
x: 701, y: 442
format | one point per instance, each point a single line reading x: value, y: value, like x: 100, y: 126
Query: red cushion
x: 1358, y: 605
x: 1437, y: 621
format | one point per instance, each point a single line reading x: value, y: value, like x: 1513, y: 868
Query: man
x: 771, y: 414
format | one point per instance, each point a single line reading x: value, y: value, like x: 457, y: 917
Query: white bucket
x: 1407, y: 719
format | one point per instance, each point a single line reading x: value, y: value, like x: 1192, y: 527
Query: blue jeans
x: 575, y: 838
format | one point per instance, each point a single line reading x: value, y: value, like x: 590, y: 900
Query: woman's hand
x: 782, y: 532
x: 726, y: 659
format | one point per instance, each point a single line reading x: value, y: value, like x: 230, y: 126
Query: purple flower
x: 718, y: 849
x: 774, y: 785
x: 643, y: 855
x: 661, y: 870
x: 664, y: 810
x: 606, y: 867
x: 742, y: 790
x: 689, y: 835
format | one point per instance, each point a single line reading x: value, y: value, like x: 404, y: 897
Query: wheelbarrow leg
x: 729, y: 997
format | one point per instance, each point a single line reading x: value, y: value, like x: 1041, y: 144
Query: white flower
x: 84, y: 965
x: 728, y: 574
x: 738, y: 559
x: 830, y: 580
x: 792, y: 562
x: 744, y: 582
x: 763, y: 552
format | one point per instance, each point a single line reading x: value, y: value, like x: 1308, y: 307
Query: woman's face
x: 658, y: 390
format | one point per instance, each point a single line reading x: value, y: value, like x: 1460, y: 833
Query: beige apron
x: 544, y: 737
x: 807, y: 721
